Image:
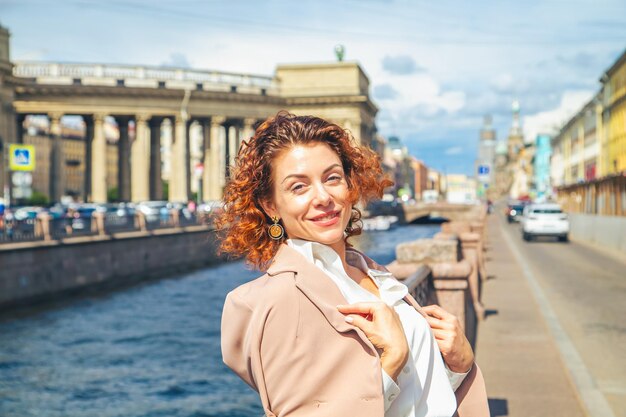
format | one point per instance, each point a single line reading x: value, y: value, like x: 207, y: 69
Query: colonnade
x: 139, y: 157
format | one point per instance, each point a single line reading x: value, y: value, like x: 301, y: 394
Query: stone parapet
x: 427, y: 251
x: 42, y: 271
x: 447, y: 281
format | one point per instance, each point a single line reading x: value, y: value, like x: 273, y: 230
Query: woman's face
x: 311, y: 194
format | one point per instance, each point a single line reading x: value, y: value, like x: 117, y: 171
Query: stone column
x: 56, y: 158
x: 19, y: 128
x: 248, y: 129
x: 188, y: 159
x: 123, y: 159
x: 174, y: 165
x: 203, y: 191
x: 233, y: 147
x: 212, y: 170
x: 98, y: 161
x: 88, y: 156
x: 226, y: 154
x: 178, y: 176
x: 140, y: 160
x: 156, y: 183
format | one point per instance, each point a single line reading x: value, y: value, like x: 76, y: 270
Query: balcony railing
x: 142, y: 76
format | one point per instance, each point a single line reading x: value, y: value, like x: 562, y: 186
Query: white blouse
x: 425, y: 385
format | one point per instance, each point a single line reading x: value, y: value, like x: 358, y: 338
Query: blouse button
x: 392, y: 397
x: 406, y: 370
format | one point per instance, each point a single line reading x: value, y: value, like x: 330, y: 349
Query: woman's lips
x: 326, y: 219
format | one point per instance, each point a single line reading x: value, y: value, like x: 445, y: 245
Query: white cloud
x: 551, y: 121
x: 177, y: 60
x: 419, y: 97
x: 503, y: 83
x: 454, y: 150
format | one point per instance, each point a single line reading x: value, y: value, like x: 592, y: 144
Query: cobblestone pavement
x: 553, y: 343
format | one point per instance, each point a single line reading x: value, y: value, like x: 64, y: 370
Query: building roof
x: 620, y: 61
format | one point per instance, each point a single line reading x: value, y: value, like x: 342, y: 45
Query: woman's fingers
x: 435, y: 323
x: 436, y: 311
x: 358, y: 308
x: 360, y: 322
x: 382, y: 326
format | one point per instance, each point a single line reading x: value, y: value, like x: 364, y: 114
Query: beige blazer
x: 282, y: 334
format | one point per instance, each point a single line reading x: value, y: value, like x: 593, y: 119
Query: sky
x: 435, y: 67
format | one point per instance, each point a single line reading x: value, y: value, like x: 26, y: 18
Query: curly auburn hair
x: 242, y: 226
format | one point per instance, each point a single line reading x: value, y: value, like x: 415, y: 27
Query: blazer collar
x: 317, y: 287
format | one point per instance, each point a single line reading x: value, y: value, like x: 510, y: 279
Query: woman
x: 327, y: 331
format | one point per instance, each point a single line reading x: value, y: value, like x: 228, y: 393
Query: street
x: 553, y: 341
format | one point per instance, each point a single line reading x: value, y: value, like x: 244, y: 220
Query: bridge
x: 453, y: 212
x: 409, y: 213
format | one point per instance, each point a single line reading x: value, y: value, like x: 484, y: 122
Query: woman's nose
x: 322, y: 196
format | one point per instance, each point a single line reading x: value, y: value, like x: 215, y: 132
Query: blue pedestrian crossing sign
x: 483, y: 169
x: 21, y: 157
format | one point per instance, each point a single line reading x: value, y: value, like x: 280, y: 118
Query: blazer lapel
x: 316, y: 286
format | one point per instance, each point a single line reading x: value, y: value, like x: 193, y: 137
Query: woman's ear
x: 268, y: 208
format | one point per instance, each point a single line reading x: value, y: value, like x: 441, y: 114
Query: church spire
x: 516, y: 127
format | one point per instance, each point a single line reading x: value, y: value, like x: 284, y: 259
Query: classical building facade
x: 591, y: 149
x: 180, y: 126
x: 337, y: 91
x: 577, y: 146
x: 613, y: 99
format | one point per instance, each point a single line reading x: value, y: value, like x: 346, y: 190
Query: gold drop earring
x: 276, y: 231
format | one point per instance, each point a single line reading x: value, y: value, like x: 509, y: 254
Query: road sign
x: 21, y: 157
x: 483, y: 169
x: 22, y: 179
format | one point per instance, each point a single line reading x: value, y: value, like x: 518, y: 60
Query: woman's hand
x: 454, y: 346
x: 383, y: 328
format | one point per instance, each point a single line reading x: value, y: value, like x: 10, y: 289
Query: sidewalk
x: 523, y: 370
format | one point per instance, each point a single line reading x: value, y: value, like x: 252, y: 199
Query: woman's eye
x: 297, y: 187
x: 334, y: 178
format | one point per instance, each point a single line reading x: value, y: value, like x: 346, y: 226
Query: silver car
x: 545, y: 220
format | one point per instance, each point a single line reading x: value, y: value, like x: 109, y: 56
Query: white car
x: 544, y: 220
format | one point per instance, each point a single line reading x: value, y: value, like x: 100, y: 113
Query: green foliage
x: 166, y: 189
x: 113, y: 195
x: 36, y: 199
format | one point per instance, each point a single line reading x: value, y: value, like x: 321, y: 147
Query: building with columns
x: 337, y: 91
x: 180, y: 126
x: 7, y: 112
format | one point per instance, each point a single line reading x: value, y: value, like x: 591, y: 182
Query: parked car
x: 26, y: 213
x: 211, y: 207
x: 514, y: 211
x: 81, y: 216
x: 545, y: 220
x: 154, y: 210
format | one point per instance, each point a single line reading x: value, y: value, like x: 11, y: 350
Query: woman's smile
x: 326, y: 219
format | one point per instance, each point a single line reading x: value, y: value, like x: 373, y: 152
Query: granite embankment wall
x: 32, y: 272
x: 605, y: 231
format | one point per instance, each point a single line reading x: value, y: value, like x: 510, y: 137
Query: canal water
x: 152, y: 350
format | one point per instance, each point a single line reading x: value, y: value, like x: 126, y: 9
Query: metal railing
x: 49, y: 228
x: 420, y: 286
x: 169, y: 77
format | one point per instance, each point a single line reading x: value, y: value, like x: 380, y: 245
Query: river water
x: 151, y: 350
